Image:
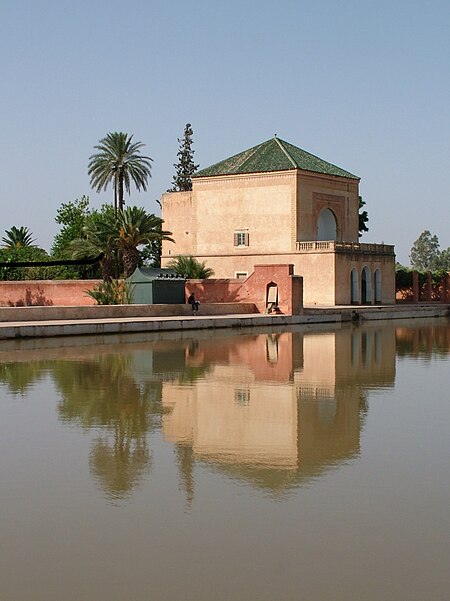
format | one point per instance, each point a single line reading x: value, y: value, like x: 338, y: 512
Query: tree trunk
x: 106, y: 266
x: 130, y: 261
x: 121, y: 201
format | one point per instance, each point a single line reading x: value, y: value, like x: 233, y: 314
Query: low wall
x: 45, y: 293
x: 254, y: 289
x: 426, y: 292
x: 53, y: 313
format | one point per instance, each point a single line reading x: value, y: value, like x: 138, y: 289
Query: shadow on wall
x: 36, y: 299
x: 46, y: 293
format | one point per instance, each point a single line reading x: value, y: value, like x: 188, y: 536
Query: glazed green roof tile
x: 273, y: 155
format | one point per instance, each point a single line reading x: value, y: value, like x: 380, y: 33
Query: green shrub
x: 114, y: 292
x: 190, y: 267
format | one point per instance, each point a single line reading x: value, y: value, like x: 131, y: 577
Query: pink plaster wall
x: 253, y: 289
x: 38, y: 293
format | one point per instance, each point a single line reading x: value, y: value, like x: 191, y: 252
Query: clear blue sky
x: 363, y: 84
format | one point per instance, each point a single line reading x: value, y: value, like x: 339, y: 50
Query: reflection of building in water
x: 273, y: 409
x: 276, y: 409
x: 424, y: 342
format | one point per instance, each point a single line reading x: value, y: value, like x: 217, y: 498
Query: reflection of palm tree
x: 119, y: 467
x: 103, y: 393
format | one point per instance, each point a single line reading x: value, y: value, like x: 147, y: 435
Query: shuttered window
x: 241, y: 238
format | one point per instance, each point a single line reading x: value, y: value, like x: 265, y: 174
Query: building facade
x: 275, y: 204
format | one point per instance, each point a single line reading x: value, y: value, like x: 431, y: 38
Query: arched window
x: 326, y: 225
x: 377, y: 281
x: 354, y: 287
x: 366, y: 287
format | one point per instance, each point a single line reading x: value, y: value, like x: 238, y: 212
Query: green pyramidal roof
x: 273, y: 155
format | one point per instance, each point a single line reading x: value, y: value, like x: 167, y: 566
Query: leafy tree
x: 363, y: 217
x: 151, y: 254
x: 17, y: 237
x: 72, y: 216
x: 185, y: 168
x: 425, y: 253
x: 190, y: 267
x: 444, y: 260
x: 119, y: 161
x: 136, y: 227
x: 22, y: 254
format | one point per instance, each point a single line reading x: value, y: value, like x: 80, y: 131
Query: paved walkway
x: 118, y: 325
x: 148, y: 324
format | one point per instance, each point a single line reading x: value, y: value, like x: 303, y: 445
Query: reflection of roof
x: 275, y: 480
x: 273, y: 155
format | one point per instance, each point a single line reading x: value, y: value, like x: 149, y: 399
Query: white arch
x: 354, y: 286
x: 326, y: 225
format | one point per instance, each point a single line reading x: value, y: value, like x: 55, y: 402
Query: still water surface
x: 303, y: 464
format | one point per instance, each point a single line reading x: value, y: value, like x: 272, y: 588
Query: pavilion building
x: 278, y: 204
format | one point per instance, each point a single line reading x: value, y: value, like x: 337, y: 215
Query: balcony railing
x: 315, y: 246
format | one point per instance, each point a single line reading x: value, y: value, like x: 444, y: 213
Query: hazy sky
x: 364, y: 84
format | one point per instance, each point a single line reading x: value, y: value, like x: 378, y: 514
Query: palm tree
x: 17, y: 237
x: 119, y: 161
x: 135, y: 228
x: 99, y: 235
x: 188, y: 266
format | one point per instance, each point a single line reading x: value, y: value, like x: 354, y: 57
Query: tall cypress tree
x: 363, y: 217
x: 185, y: 168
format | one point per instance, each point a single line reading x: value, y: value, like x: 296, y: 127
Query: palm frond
x: 120, y: 162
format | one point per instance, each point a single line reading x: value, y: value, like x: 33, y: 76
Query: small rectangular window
x: 241, y: 275
x: 241, y: 238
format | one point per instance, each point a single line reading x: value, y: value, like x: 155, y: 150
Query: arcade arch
x: 354, y: 287
x: 377, y: 285
x: 366, y: 286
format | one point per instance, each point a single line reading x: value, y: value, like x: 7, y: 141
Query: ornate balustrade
x: 315, y: 246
